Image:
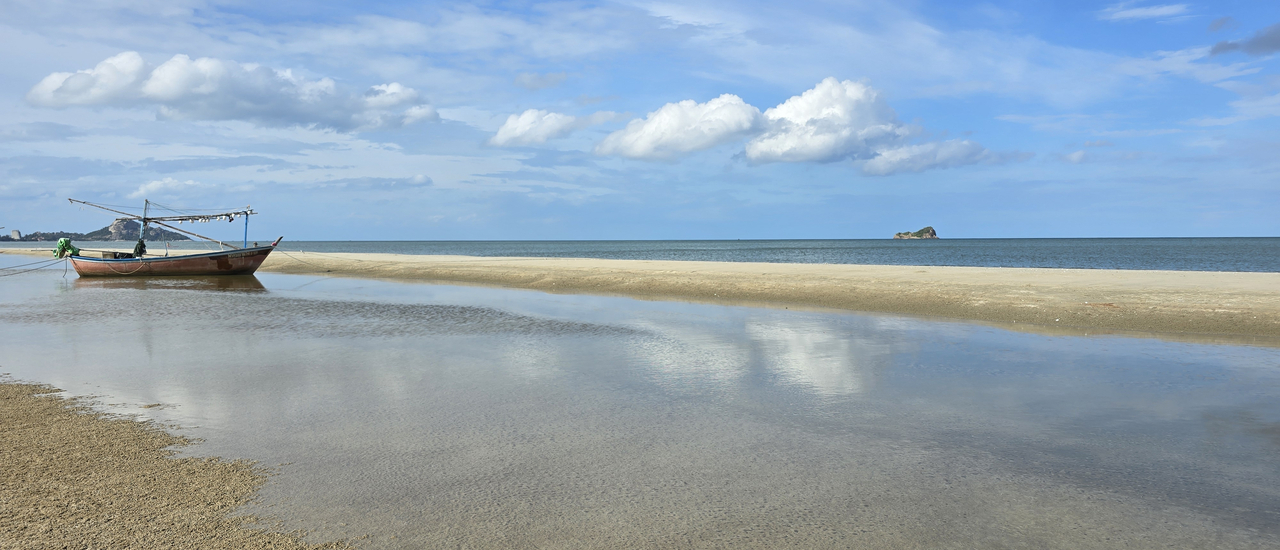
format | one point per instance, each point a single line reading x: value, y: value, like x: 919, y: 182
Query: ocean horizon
x: 1239, y: 254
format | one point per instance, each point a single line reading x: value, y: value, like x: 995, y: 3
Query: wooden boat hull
x: 228, y: 262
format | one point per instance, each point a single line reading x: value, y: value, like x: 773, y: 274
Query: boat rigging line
x: 193, y: 218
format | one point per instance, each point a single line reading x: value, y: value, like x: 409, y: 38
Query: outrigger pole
x: 159, y: 220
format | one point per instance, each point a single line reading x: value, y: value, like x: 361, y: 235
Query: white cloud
x: 419, y: 113
x: 1125, y: 11
x: 835, y: 120
x: 390, y: 96
x: 533, y: 126
x: 679, y: 128
x: 832, y: 121
x: 214, y: 89
x: 536, y: 126
x: 1077, y: 157
x: 168, y: 185
x: 927, y: 156
x: 114, y: 79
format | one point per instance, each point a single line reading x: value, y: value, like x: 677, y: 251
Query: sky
x: 647, y: 119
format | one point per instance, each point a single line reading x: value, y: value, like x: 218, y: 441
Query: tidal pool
x: 414, y: 415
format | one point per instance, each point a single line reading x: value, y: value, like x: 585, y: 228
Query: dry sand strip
x: 1187, y: 302
x: 74, y: 478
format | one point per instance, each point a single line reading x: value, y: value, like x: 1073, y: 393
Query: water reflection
x: 241, y: 283
x: 455, y: 417
x: 824, y: 358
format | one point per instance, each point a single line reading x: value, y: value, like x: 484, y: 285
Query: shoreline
x: 1213, y: 304
x: 75, y: 477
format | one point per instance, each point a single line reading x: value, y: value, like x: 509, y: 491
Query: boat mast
x: 140, y: 249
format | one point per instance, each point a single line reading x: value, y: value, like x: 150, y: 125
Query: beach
x: 1229, y: 304
x: 1191, y: 302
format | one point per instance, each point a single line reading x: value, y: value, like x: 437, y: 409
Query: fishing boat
x: 229, y: 260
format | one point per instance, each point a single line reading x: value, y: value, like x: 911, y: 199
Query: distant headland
x: 926, y: 233
x: 120, y: 230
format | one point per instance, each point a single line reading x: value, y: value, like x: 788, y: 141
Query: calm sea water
x: 1176, y: 254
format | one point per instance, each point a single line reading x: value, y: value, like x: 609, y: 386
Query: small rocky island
x: 926, y: 233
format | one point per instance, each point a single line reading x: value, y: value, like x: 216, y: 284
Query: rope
x: 112, y: 267
x: 338, y: 258
x: 25, y: 265
x: 47, y: 264
x: 301, y: 260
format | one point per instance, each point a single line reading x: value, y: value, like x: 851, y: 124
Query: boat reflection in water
x: 235, y: 283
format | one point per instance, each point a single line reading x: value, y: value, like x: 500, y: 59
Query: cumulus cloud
x: 1077, y: 157
x: 115, y: 79
x: 1263, y: 42
x: 214, y: 89
x: 679, y: 128
x: 835, y: 120
x: 928, y: 156
x: 832, y: 121
x: 1126, y: 11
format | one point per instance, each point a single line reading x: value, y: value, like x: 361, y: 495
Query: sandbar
x: 1189, y: 302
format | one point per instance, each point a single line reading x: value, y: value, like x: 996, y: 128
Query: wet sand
x: 73, y: 478
x: 1210, y: 303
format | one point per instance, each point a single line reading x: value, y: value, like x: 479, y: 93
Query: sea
x: 1260, y: 254
x: 410, y: 415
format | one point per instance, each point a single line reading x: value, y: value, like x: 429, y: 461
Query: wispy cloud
x: 535, y: 126
x: 167, y: 186
x: 1127, y: 11
x: 535, y: 81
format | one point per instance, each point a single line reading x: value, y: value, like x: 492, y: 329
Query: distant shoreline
x: 1237, y: 254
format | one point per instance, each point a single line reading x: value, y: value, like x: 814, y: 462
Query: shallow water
x: 426, y: 415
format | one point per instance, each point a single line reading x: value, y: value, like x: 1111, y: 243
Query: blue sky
x: 648, y: 120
